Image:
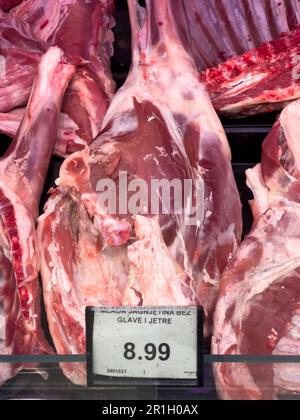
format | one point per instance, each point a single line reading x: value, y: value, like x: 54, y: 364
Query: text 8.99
x: 151, y: 352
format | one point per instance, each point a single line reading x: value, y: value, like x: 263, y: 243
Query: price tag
x: 157, y: 345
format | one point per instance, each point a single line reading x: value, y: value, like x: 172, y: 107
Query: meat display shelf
x: 31, y: 385
x: 245, y: 137
x: 48, y: 382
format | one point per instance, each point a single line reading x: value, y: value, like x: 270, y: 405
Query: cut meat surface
x: 259, y: 303
x: 82, y: 29
x: 22, y: 174
x: 20, y: 54
x: 67, y: 140
x: 151, y: 132
x: 215, y: 30
x: 167, y: 283
x: 83, y: 273
x: 262, y: 80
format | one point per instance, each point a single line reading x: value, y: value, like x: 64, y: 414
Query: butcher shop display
x: 150, y: 158
x: 149, y: 132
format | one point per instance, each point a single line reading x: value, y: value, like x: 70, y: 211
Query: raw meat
x: 215, y: 30
x: 7, y: 5
x: 259, y: 303
x: 82, y: 28
x: 20, y: 54
x: 22, y: 173
x: 262, y: 80
x: 10, y: 121
x: 160, y: 126
x: 67, y: 141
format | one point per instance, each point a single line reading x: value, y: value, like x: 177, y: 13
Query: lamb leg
x: 151, y: 132
x: 22, y: 174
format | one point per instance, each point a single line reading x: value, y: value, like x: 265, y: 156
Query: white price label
x: 146, y: 343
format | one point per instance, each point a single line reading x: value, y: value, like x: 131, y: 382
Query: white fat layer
x: 208, y: 280
x: 239, y: 85
x: 287, y: 376
x: 178, y: 247
x: 2, y: 67
x: 255, y: 282
x: 55, y: 280
x: 2, y: 322
x: 284, y: 95
x: 258, y: 187
x: 290, y: 122
x: 224, y: 334
x: 266, y: 275
x: 85, y: 96
x: 147, y: 252
x: 228, y: 236
x: 96, y: 275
